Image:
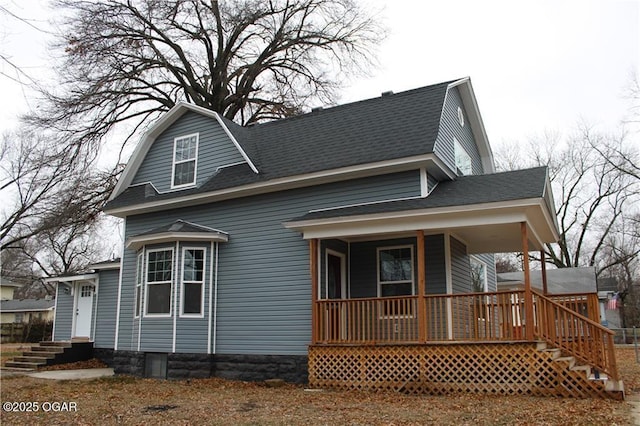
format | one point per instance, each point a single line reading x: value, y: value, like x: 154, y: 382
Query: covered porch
x: 394, y: 302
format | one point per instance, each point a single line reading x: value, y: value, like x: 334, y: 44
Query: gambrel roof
x: 390, y: 133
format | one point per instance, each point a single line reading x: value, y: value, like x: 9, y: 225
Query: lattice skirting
x: 495, y: 368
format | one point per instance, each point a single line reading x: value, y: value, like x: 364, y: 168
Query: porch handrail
x: 579, y: 336
x: 586, y: 304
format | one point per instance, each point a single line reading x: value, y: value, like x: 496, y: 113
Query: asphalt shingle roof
x: 465, y: 190
x: 179, y: 226
x: 388, y: 127
x: 26, y: 305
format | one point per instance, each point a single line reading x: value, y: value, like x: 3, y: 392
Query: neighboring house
x: 575, y: 284
x: 338, y: 246
x: 26, y: 310
x: 7, y: 288
x: 611, y: 302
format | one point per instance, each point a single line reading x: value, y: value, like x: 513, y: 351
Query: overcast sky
x: 534, y: 65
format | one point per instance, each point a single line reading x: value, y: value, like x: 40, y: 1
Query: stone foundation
x: 251, y: 368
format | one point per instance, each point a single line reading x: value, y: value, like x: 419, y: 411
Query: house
x: 577, y: 286
x: 340, y: 247
x: 26, y: 310
x: 7, y: 288
x: 610, y: 301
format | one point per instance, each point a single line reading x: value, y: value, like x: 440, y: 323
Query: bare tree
x: 51, y: 187
x: 127, y: 61
x: 596, y: 197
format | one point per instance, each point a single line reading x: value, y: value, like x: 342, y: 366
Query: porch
x: 411, y: 320
x: 474, y: 342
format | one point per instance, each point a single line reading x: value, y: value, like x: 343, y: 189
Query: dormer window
x: 185, y: 160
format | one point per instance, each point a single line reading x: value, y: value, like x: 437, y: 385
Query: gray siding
x: 364, y: 257
x: 450, y: 128
x: 364, y: 282
x: 460, y: 267
x: 431, y: 182
x: 215, y: 149
x: 435, y: 274
x: 106, y: 304
x: 490, y: 261
x: 64, y: 313
x: 263, y: 278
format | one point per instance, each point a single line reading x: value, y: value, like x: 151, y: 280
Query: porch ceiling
x: 485, y: 228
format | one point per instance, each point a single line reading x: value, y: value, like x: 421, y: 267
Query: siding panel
x: 450, y: 128
x: 263, y: 279
x: 64, y: 313
x: 106, y: 308
x: 215, y: 149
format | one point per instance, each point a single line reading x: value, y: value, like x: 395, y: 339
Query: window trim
x: 182, y: 282
x: 381, y: 283
x: 140, y: 279
x: 473, y: 259
x: 195, y: 160
x: 459, y: 150
x: 146, y: 314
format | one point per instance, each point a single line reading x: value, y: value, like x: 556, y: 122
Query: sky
x: 535, y: 66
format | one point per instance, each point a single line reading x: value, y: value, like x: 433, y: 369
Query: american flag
x: 613, y: 303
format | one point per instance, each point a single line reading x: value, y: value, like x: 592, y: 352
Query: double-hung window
x: 185, y: 156
x: 395, y: 271
x: 159, y: 278
x: 192, y: 282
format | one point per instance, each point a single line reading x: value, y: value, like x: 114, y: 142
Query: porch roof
x: 178, y: 230
x: 484, y: 210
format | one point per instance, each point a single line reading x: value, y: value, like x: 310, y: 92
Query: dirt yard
x: 128, y: 400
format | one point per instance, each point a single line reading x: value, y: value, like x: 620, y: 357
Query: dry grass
x: 128, y: 400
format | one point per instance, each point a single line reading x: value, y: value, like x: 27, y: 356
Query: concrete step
x: 56, y: 344
x: 36, y: 359
x: 41, y: 354
x: 5, y: 368
x: 50, y: 349
x: 17, y: 364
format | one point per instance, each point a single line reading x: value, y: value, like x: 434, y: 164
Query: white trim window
x: 192, y: 290
x: 395, y: 271
x: 139, y: 283
x: 463, y: 160
x: 185, y: 164
x: 479, y: 281
x: 158, y: 284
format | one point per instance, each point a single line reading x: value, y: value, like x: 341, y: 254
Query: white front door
x: 84, y: 305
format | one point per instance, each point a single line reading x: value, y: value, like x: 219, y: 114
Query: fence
x: 30, y: 332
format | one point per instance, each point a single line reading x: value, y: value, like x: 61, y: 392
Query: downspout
x: 210, y: 307
x: 215, y: 300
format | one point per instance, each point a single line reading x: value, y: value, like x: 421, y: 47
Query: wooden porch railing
x: 586, y: 304
x: 583, y: 338
x: 469, y: 317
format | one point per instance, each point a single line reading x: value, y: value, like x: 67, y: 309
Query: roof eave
x: 137, y: 242
x: 156, y: 129
x: 434, y: 166
x: 477, y: 125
